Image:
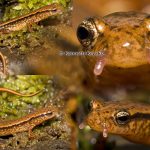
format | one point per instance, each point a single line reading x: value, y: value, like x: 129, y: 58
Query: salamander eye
x: 87, y: 32
x: 122, y: 117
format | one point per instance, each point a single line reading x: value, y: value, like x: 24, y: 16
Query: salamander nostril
x: 82, y: 33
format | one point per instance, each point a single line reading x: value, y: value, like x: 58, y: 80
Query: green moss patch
x: 15, y: 106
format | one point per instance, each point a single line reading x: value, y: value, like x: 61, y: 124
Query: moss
x: 22, y: 40
x: 16, y: 106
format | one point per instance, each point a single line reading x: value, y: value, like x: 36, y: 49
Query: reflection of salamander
x: 19, y: 94
x: 28, y: 122
x: 127, y: 119
x: 27, y: 20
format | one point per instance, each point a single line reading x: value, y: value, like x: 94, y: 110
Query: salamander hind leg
x: 30, y: 133
x: 30, y: 27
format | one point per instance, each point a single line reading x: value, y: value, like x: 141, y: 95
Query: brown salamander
x: 127, y: 119
x: 28, y: 122
x: 30, y: 18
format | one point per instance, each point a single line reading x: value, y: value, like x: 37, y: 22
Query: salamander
x: 121, y: 42
x: 28, y: 122
x: 127, y: 119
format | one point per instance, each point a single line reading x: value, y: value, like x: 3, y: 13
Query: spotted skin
x: 137, y: 129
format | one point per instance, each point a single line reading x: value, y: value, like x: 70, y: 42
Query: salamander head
x: 118, y: 118
x: 121, y: 39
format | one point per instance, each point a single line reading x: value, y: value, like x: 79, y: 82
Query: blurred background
x: 84, y: 8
